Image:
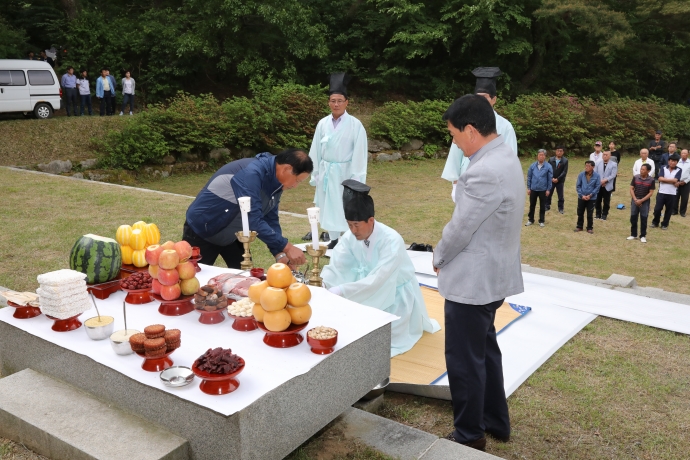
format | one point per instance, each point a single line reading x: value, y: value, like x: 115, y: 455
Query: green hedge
x: 539, y: 119
x: 276, y: 117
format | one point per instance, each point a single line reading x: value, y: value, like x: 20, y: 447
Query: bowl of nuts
x: 138, y: 288
x: 241, y: 312
x: 322, y: 339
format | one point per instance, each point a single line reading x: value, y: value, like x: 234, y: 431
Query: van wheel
x: 43, y: 111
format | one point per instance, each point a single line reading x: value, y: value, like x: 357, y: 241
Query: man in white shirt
x: 683, y: 184
x: 597, y: 154
x: 666, y: 198
x: 644, y: 159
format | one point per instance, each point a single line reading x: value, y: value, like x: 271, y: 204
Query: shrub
x: 138, y: 143
x: 399, y: 122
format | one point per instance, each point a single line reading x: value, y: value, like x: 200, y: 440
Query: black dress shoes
x: 307, y: 237
x: 479, y: 444
x: 498, y: 436
x: 324, y: 236
x: 332, y: 244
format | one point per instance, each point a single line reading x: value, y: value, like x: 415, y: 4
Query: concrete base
x: 57, y: 420
x: 270, y: 428
x: 621, y: 281
x: 369, y: 405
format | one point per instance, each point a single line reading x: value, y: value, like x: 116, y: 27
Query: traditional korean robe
x: 338, y: 154
x: 381, y: 276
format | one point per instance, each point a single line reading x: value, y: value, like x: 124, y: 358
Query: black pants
x: 605, y: 197
x: 581, y: 206
x: 475, y: 371
x: 231, y: 254
x: 557, y: 187
x: 85, y: 103
x: 533, y: 195
x: 682, y: 199
x: 663, y: 201
x: 113, y: 104
x: 71, y: 100
x: 105, y: 107
x: 643, y: 212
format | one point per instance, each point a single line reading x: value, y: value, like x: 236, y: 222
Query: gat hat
x: 357, y: 203
x: 338, y: 84
x: 658, y: 131
x: 597, y: 143
x: 486, y: 80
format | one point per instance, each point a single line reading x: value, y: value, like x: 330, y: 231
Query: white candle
x: 245, y: 207
x: 313, y: 214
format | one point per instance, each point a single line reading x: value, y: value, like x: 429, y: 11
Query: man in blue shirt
x: 588, y: 184
x: 69, y: 87
x: 539, y: 183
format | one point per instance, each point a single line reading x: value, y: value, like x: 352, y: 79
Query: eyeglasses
x: 336, y: 101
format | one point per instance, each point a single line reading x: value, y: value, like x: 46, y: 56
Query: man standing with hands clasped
x: 478, y: 266
x: 539, y: 183
x: 666, y: 197
x: 641, y: 190
x: 559, y: 165
x: 683, y: 184
x: 587, y: 186
x: 607, y: 171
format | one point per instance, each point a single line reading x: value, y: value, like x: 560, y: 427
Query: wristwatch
x: 280, y: 256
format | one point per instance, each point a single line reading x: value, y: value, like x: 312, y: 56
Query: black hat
x: 357, y: 203
x: 675, y: 156
x: 486, y: 80
x: 338, y: 84
x: 658, y: 131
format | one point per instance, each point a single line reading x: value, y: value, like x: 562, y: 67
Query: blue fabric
x: 99, y: 87
x: 539, y: 180
x: 68, y: 81
x: 588, y: 188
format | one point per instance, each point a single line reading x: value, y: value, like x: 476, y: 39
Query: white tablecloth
x: 266, y: 368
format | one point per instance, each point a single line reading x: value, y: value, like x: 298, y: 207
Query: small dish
x: 120, y: 341
x: 288, y: 338
x: 322, y: 346
x: 24, y: 312
x: 211, y: 317
x: 99, y: 330
x: 177, y: 376
x: 218, y: 384
x: 103, y: 290
x: 138, y: 296
x: 243, y: 323
x: 177, y: 307
x: 158, y: 364
x: 67, y: 324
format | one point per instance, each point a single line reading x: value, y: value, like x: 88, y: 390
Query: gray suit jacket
x: 610, y: 174
x: 479, y: 253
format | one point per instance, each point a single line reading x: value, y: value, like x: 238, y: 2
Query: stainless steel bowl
x: 177, y: 376
x: 378, y: 390
x: 100, y: 332
x: 121, y: 345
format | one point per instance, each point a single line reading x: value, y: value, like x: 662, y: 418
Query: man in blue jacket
x: 539, y: 183
x: 588, y: 184
x: 214, y: 216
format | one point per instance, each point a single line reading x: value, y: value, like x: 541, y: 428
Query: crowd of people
x: 597, y: 182
x: 78, y: 88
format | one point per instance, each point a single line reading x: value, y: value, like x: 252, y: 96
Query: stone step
x: 59, y: 421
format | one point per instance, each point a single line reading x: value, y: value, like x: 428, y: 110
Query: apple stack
x: 172, y: 272
x: 280, y: 300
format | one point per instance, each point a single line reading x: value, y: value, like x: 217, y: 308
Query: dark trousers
x: 682, y: 199
x: 533, y: 195
x: 581, y: 206
x: 557, y: 187
x: 70, y: 100
x: 231, y: 254
x: 106, y: 106
x: 605, y: 197
x: 642, y: 211
x: 475, y: 371
x: 127, y: 99
x: 85, y: 103
x: 113, y: 104
x: 663, y: 201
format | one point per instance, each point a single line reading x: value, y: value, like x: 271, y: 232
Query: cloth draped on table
x: 338, y: 154
x: 381, y: 276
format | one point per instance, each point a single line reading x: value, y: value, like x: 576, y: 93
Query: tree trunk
x: 71, y: 8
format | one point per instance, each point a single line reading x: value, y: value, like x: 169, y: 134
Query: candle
x: 313, y: 214
x: 245, y: 206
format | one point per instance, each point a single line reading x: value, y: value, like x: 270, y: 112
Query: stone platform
x: 270, y: 428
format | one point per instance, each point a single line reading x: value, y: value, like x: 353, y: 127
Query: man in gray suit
x: 607, y: 170
x: 478, y: 266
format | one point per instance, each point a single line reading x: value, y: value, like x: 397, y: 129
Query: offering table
x: 285, y: 395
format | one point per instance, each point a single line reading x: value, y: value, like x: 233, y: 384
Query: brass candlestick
x: 246, y: 264
x: 316, y: 254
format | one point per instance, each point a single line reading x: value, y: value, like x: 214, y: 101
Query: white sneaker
x: 528, y: 223
x: 632, y: 238
x: 541, y: 224
x: 121, y: 113
x: 643, y: 240
x: 131, y: 113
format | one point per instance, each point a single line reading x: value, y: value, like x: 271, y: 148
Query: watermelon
x: 98, y: 257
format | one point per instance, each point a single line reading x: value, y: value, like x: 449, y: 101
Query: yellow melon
x: 139, y: 258
x: 137, y: 240
x: 153, y: 235
x: 141, y: 225
x: 122, y: 235
x: 126, y: 254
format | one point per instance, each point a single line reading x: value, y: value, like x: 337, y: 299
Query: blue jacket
x: 99, y: 86
x: 588, y: 188
x: 215, y: 214
x: 539, y: 180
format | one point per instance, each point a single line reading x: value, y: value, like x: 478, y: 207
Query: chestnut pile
x: 219, y: 361
x: 139, y: 280
x: 209, y: 298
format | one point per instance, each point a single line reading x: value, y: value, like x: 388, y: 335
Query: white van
x: 29, y: 87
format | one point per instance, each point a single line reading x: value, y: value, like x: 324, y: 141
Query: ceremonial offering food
x: 134, y: 240
x: 258, y: 312
x: 154, y: 331
x: 184, y: 250
x: 171, y: 292
x: 122, y: 235
x: 322, y: 333
x: 273, y: 299
x: 136, y: 342
x: 119, y: 340
x: 209, y: 298
x: 281, y: 304
x: 139, y: 258
x: 99, y: 321
x: 190, y: 286
x: 234, y: 286
x: 219, y: 361
x: 298, y: 295
x: 137, y: 239
x: 98, y: 257
x: 279, y: 275
x: 241, y: 308
x: 139, y: 280
x: 99, y: 328
x: 139, y: 225
x: 127, y: 253
x: 152, y: 234
x: 168, y: 277
x: 255, y: 291
x: 168, y: 259
x: 276, y: 321
x: 299, y: 315
x: 153, y: 252
x: 63, y: 294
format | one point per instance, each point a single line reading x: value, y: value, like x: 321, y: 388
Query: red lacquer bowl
x: 290, y: 337
x: 24, y: 312
x: 132, y: 269
x: 218, y: 384
x: 211, y: 317
x: 138, y: 296
x: 103, y: 290
x: 177, y: 307
x: 322, y: 346
x: 67, y: 324
x: 156, y: 364
x: 243, y: 323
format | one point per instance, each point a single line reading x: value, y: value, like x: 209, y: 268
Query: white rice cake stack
x: 63, y: 294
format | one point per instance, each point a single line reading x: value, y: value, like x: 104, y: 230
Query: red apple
x: 186, y: 270
x: 156, y: 286
x: 168, y: 245
x: 170, y: 292
x: 184, y: 250
x: 168, y: 259
x: 153, y: 271
x: 168, y: 277
x: 190, y: 286
x: 152, y: 254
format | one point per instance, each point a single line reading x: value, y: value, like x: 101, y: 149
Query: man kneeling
x: 370, y: 266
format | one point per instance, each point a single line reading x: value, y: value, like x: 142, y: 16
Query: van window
x: 41, y: 77
x: 12, y: 78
